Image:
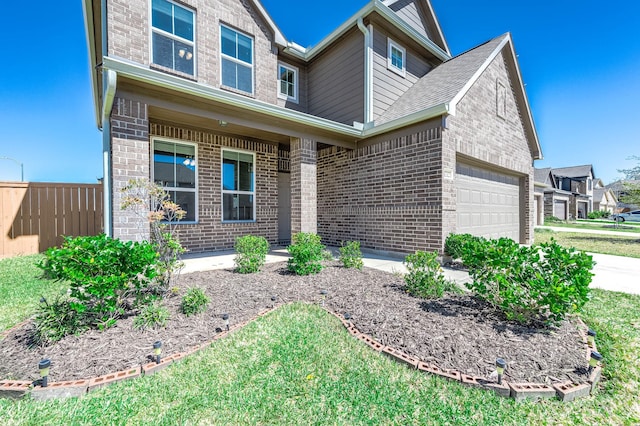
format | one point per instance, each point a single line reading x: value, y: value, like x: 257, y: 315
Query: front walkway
x: 615, y: 273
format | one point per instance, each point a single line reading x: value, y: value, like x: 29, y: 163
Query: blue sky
x: 580, y: 61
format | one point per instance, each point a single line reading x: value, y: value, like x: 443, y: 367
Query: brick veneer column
x: 130, y: 155
x: 304, y: 216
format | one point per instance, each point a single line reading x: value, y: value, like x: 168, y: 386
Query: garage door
x: 488, y: 203
x: 560, y: 209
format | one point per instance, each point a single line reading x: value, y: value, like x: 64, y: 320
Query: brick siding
x: 303, y: 185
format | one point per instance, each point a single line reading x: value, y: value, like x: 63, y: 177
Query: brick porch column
x: 304, y: 190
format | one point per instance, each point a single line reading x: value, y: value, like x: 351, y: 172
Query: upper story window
x: 237, y: 60
x: 175, y: 170
x: 172, y: 28
x: 287, y: 82
x: 396, y: 58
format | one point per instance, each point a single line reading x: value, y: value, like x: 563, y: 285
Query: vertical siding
x: 411, y: 12
x: 336, y: 81
x: 387, y: 85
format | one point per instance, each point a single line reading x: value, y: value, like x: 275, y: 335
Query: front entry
x: 284, y: 208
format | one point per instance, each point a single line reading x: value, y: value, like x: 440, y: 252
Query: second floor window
x: 287, y: 82
x: 396, y: 58
x: 172, y: 36
x: 237, y: 60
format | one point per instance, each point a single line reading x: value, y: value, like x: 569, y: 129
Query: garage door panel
x: 493, y: 207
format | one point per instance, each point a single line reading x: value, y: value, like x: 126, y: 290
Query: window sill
x: 401, y: 73
x: 288, y: 98
x: 173, y: 72
x: 233, y: 222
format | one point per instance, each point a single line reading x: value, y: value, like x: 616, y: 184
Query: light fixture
x: 594, y: 359
x: 157, y: 350
x: 225, y: 317
x: 591, y: 337
x: 500, y: 366
x: 44, y: 366
x: 222, y: 123
x: 324, y: 295
x: 347, y: 317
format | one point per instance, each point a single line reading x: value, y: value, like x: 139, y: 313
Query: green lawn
x: 594, y: 243
x: 21, y: 286
x: 599, y: 226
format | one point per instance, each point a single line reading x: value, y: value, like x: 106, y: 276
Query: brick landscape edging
x: 564, y: 391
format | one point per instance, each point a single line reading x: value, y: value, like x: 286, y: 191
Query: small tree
x: 631, y: 190
x: 153, y: 204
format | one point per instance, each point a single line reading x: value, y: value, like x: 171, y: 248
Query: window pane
x: 162, y: 50
x: 163, y: 164
x: 228, y: 42
x: 283, y: 87
x: 237, y: 207
x: 245, y: 172
x: 244, y: 49
x: 183, y: 23
x: 229, y: 73
x: 161, y: 15
x: 229, y: 174
x: 245, y: 79
x: 396, y: 58
x: 245, y: 207
x: 187, y: 202
x: 184, y: 57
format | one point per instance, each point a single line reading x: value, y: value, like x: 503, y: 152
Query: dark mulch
x: 457, y: 331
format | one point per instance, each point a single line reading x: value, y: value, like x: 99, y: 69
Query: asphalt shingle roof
x: 575, y: 171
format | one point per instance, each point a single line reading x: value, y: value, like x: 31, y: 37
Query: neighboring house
x: 604, y: 199
x: 618, y: 191
x: 555, y: 201
x: 376, y: 134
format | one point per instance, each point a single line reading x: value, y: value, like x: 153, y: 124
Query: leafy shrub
x: 470, y: 250
x: 152, y: 316
x: 424, y: 277
x: 251, y: 253
x: 55, y: 320
x: 552, y: 219
x: 350, y: 255
x: 194, y: 302
x: 599, y: 214
x: 103, y: 272
x: 538, y: 284
x: 454, y: 244
x: 306, y: 254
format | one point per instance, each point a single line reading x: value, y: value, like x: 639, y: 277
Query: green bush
x: 454, y: 244
x: 552, y: 219
x: 599, y: 214
x: 306, y: 254
x: 350, y: 255
x: 194, y: 302
x: 55, y: 320
x: 103, y: 273
x: 424, y: 277
x: 538, y: 284
x: 251, y: 253
x: 152, y: 316
x: 470, y: 250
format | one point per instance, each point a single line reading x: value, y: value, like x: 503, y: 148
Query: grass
x: 21, y: 286
x: 598, y: 226
x: 298, y: 365
x: 594, y: 243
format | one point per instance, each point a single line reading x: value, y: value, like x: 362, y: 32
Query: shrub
x: 538, y: 284
x: 103, y: 272
x: 194, y: 302
x: 424, y: 277
x: 350, y: 255
x: 251, y: 253
x: 471, y: 250
x: 306, y: 254
x: 454, y: 244
x: 598, y: 214
x: 152, y: 316
x: 552, y: 219
x: 55, y: 320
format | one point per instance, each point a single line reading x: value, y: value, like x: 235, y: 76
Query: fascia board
x: 87, y: 11
x: 156, y: 78
x: 279, y: 37
x: 416, y: 117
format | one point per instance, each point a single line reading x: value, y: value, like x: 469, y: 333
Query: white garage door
x: 488, y: 203
x: 560, y: 209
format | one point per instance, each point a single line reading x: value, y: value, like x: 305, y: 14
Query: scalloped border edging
x: 565, y: 391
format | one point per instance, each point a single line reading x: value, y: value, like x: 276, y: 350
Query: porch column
x: 304, y: 190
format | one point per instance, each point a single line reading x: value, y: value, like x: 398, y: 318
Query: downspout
x: 109, y: 83
x: 368, y: 71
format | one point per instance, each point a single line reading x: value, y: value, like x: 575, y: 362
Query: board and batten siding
x: 410, y: 12
x: 387, y: 85
x: 335, y: 85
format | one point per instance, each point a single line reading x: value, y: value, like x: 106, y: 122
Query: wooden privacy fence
x: 36, y: 216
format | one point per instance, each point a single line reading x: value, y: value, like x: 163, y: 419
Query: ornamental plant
x: 306, y: 254
x: 153, y: 315
x: 55, y: 320
x: 350, y: 255
x: 424, y: 276
x: 194, y: 302
x: 251, y: 253
x: 538, y: 285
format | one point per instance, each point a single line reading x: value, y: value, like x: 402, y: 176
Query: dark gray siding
x: 410, y: 12
x: 335, y: 85
x: 387, y: 85
x: 302, y: 86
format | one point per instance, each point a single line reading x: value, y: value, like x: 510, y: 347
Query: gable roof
x: 436, y: 29
x: 543, y: 176
x: 444, y: 86
x: 574, y: 171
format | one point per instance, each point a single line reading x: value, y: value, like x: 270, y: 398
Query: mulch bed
x: 455, y: 332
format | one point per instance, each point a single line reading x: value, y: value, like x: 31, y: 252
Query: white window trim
x: 400, y: 71
x: 181, y: 189
x: 224, y: 191
x: 152, y: 29
x: 238, y: 61
x: 295, y: 71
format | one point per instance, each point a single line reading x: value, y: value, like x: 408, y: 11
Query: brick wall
x: 387, y: 195
x: 304, y: 193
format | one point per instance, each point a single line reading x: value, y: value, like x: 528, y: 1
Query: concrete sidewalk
x: 615, y: 273
x: 591, y: 231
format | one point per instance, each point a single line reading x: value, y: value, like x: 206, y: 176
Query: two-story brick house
x: 375, y: 134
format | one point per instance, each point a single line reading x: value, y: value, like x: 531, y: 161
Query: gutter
x: 110, y: 80
x: 368, y: 70
x: 87, y: 11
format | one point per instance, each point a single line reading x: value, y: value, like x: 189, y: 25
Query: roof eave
x: 87, y: 10
x: 278, y: 36
x: 407, y: 120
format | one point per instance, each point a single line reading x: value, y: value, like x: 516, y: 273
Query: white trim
x: 296, y: 72
x: 390, y: 66
x: 224, y: 191
x: 195, y: 190
x: 368, y: 70
x: 236, y: 60
x: 163, y: 33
